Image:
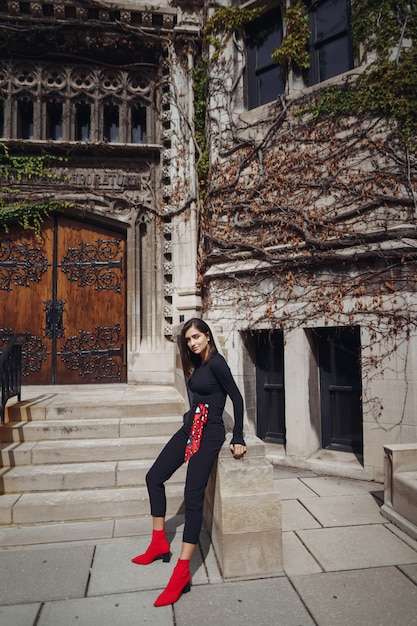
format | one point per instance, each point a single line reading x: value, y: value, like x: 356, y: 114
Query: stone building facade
x: 107, y: 88
x: 302, y: 257
x: 309, y: 239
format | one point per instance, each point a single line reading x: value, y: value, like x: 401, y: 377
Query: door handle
x: 53, y: 319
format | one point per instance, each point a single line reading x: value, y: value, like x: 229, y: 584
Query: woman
x: 198, y: 441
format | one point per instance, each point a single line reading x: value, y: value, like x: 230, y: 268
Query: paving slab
x: 377, y: 597
x: 295, y: 516
x: 265, y: 602
x: 336, y: 486
x: 356, y: 547
x: 350, y: 510
x: 19, y: 615
x: 410, y: 571
x: 297, y: 559
x: 292, y: 488
x: 129, y: 609
x: 113, y: 571
x: 279, y: 471
x: 38, y: 575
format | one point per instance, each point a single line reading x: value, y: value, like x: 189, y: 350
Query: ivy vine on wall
x: 218, y: 30
x: 293, y: 48
x: 388, y: 87
x: 17, y: 204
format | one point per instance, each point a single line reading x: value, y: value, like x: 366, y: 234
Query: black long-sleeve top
x: 210, y: 384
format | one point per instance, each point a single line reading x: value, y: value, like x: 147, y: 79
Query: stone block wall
x: 243, y: 514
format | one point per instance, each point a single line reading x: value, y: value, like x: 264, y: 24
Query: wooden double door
x: 66, y: 293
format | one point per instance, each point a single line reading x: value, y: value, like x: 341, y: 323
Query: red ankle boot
x: 159, y: 547
x: 178, y: 583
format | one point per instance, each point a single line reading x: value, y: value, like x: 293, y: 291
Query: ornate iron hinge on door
x: 95, y: 264
x: 95, y: 353
x: 20, y: 264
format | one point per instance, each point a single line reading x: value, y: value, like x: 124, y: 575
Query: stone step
x: 72, y: 476
x: 73, y: 461
x: 95, y: 402
x: 83, y: 505
x: 80, y: 451
x: 103, y: 529
x: 89, y: 428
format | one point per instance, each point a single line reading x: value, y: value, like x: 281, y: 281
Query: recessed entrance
x: 270, y: 400
x: 340, y: 388
x: 66, y: 293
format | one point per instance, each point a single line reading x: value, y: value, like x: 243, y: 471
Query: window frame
x: 50, y: 123
x: 76, y: 126
x: 21, y: 122
x: 296, y: 80
x: 316, y: 44
x: 254, y: 71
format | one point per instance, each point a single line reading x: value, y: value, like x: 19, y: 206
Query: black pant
x: 198, y: 472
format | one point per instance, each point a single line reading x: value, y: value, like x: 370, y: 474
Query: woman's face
x: 197, y: 342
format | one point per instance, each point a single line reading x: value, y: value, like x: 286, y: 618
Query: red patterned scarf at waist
x: 194, y: 439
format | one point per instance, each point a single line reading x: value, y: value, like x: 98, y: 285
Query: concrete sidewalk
x: 344, y: 564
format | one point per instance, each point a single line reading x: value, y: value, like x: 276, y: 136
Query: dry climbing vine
x: 311, y: 220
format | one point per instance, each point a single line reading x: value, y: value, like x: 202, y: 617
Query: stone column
x: 243, y: 514
x: 302, y: 412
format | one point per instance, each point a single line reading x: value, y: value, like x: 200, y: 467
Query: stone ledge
x: 243, y: 514
x: 400, y: 489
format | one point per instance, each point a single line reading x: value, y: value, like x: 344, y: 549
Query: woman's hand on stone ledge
x: 238, y: 450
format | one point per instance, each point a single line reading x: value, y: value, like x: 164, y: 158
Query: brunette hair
x: 190, y: 360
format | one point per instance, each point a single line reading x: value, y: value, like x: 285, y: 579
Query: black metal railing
x: 10, y: 369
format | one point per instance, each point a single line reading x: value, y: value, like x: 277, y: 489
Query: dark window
x: 70, y: 12
x: 136, y: 18
x: 138, y: 134
x: 93, y: 14
x: 25, y: 8
x: 25, y: 119
x: 111, y: 123
x: 82, y: 122
x: 48, y: 10
x: 157, y: 19
x: 264, y: 77
x: 54, y: 121
x: 330, y: 45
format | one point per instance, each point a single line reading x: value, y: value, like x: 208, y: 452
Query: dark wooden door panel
x: 67, y: 293
x: 90, y: 283
x: 25, y: 285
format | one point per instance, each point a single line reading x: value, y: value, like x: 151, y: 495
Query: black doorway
x: 270, y: 399
x: 340, y: 388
